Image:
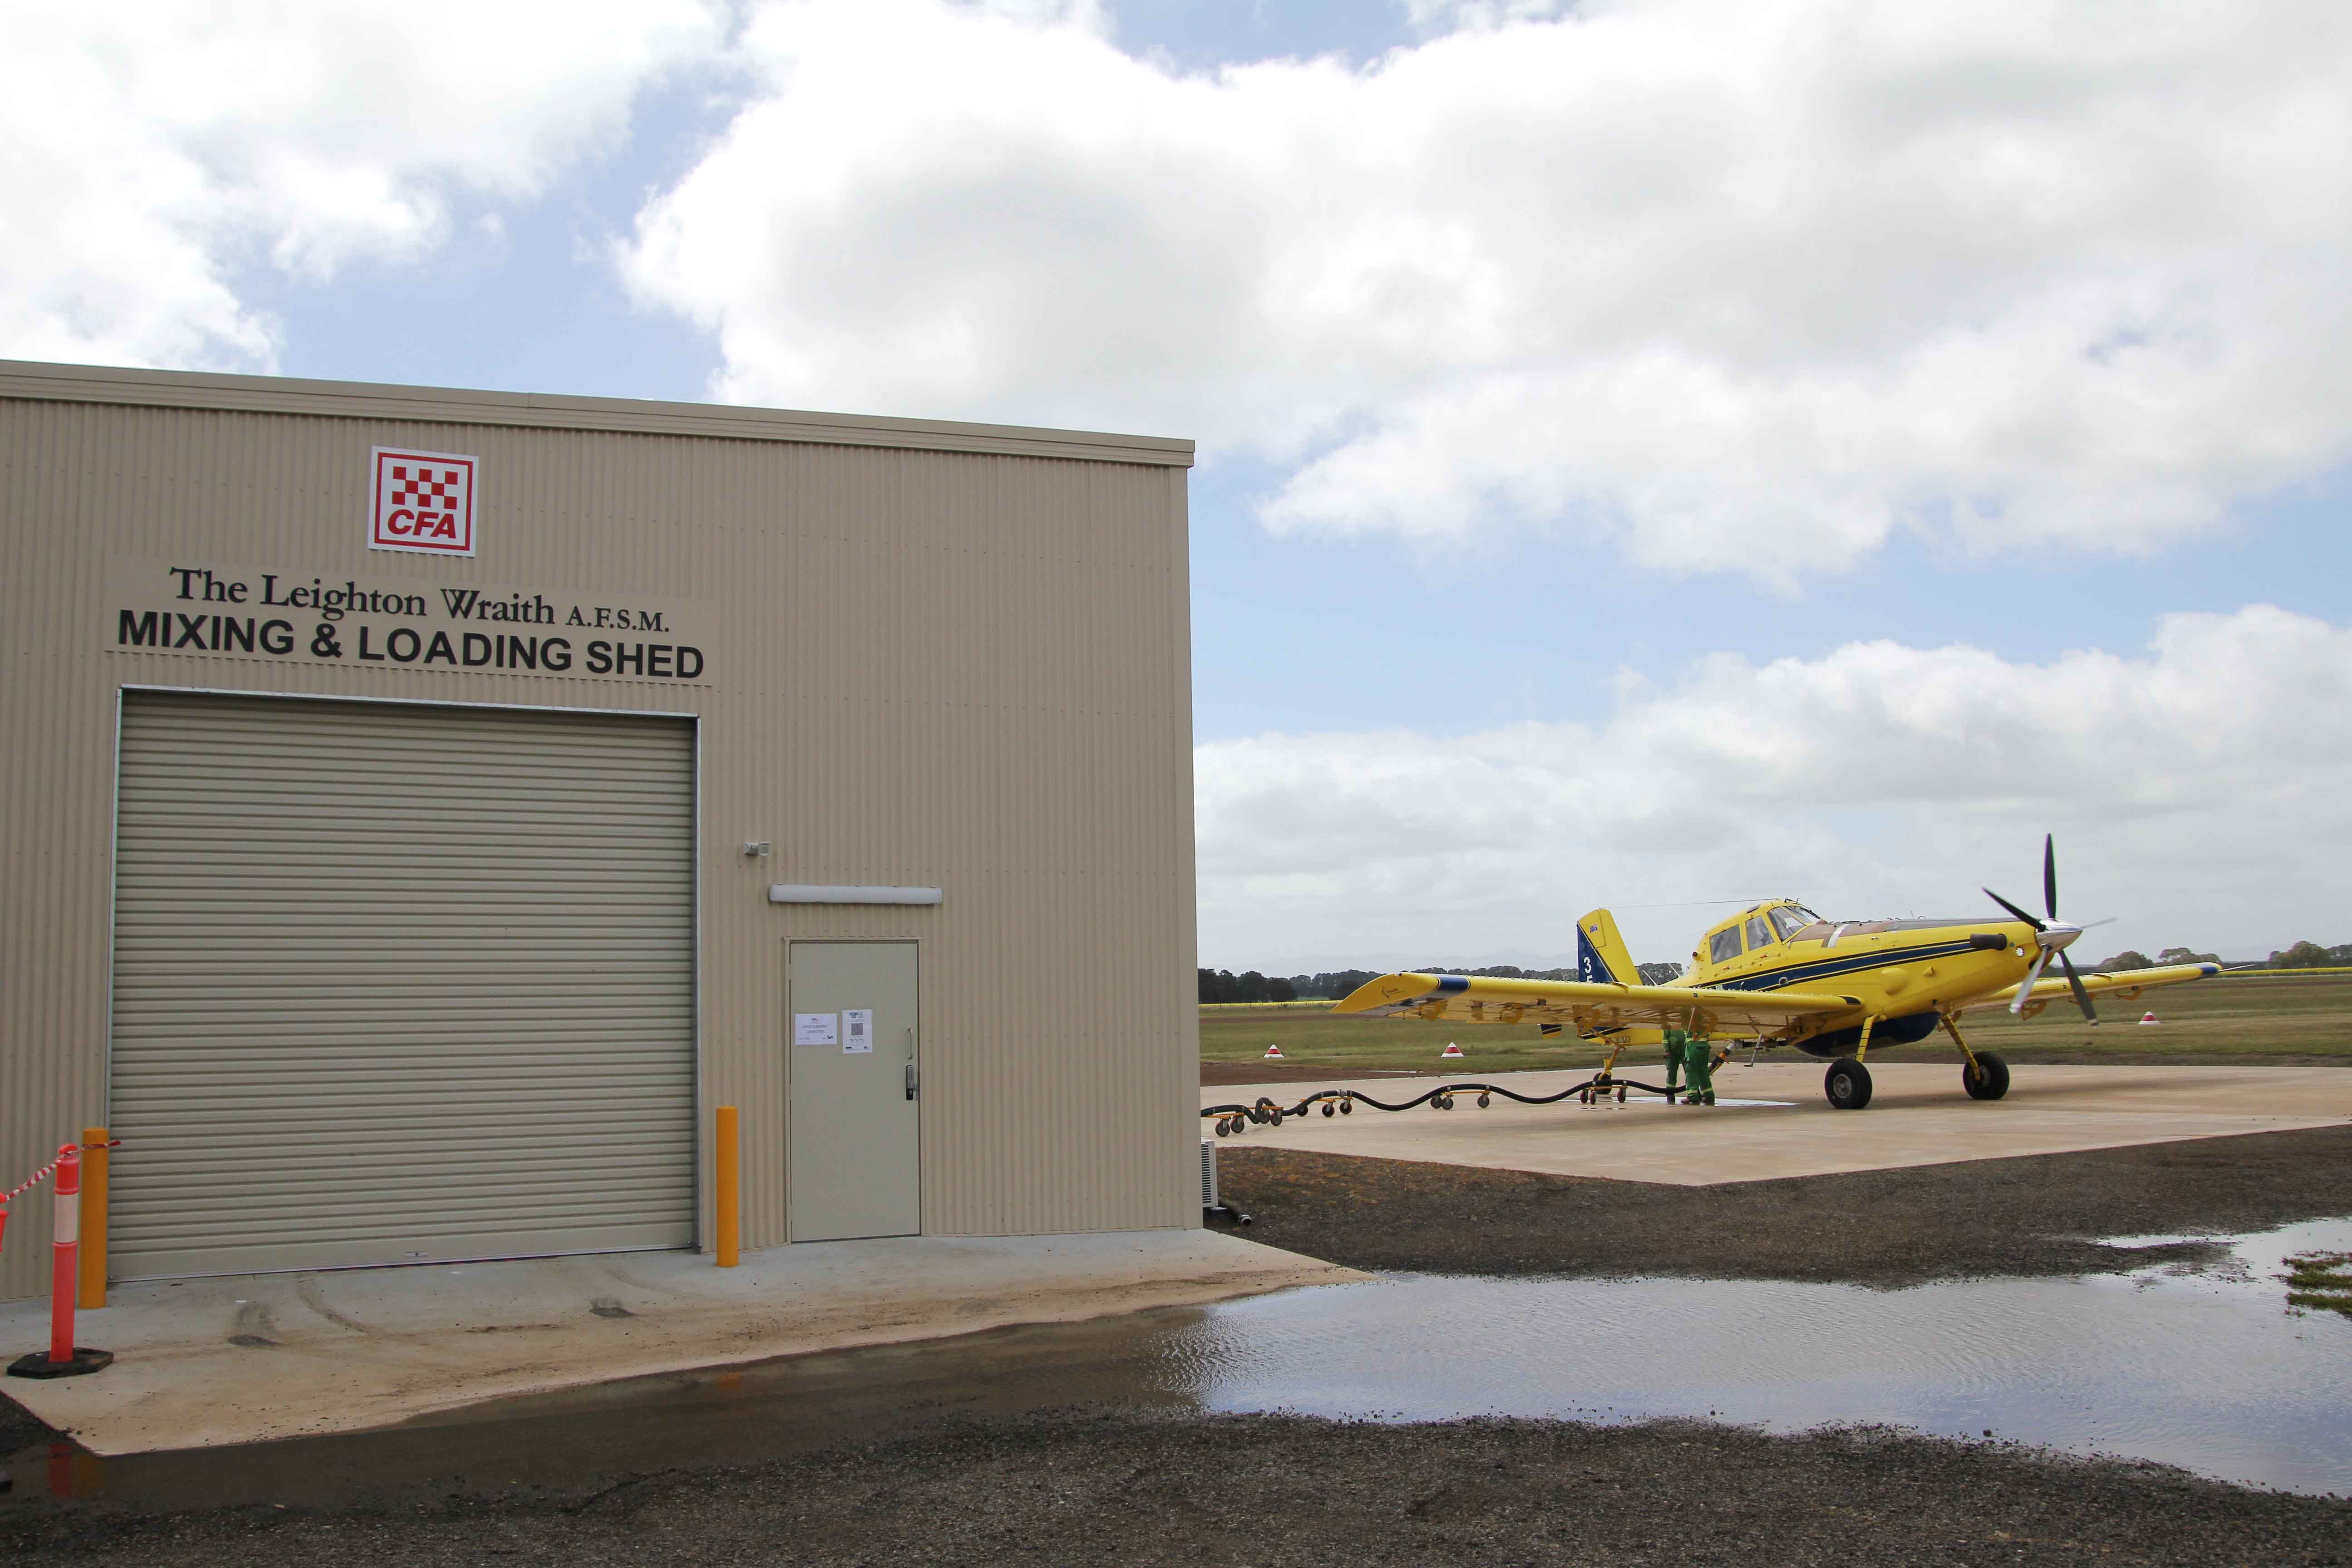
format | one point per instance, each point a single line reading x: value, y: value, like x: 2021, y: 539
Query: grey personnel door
x: 857, y: 1111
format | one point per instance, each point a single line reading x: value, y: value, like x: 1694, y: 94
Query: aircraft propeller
x: 2051, y: 936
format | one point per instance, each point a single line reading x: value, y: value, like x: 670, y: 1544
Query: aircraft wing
x: 2124, y: 984
x: 1585, y: 1005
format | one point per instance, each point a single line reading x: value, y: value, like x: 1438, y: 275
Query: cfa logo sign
x: 423, y: 501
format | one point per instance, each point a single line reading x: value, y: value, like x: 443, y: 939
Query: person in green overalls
x: 1699, y: 1060
x: 1674, y: 1038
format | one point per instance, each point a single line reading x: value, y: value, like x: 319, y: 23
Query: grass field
x: 2220, y: 1020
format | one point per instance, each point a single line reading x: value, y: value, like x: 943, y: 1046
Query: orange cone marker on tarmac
x: 1274, y: 1052
x: 2149, y: 1018
x: 1452, y: 1052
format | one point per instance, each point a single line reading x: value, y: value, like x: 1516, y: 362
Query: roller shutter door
x: 397, y: 983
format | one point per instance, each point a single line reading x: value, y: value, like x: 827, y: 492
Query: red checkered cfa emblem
x: 423, y: 501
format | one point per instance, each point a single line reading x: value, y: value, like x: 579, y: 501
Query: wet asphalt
x: 1037, y: 1446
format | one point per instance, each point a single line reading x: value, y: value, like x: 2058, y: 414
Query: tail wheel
x: 1847, y: 1084
x: 1986, y: 1078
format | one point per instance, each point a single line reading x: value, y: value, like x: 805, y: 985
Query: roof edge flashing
x: 31, y: 381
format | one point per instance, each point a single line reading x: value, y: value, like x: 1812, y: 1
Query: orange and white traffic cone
x: 64, y: 1359
x: 1273, y: 1054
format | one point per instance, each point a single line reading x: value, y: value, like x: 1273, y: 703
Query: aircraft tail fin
x: 1602, y: 958
x: 1601, y: 955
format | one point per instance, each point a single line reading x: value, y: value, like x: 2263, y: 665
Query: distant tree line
x: 2302, y: 955
x: 2131, y: 958
x: 1224, y: 985
x: 2311, y: 955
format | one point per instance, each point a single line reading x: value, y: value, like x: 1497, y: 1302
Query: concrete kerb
x: 246, y: 1358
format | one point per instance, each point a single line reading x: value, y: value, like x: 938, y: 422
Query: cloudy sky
x: 1651, y: 451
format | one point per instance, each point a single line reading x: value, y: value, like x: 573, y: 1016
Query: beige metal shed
x: 424, y: 807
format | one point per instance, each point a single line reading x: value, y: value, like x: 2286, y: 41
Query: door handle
x: 912, y: 1082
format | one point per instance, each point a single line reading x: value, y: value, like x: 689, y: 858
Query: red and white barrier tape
x: 32, y: 1181
x: 42, y: 1174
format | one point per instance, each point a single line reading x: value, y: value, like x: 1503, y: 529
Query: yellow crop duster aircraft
x: 1779, y: 974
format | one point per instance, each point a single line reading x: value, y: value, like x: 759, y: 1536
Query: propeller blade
x: 2082, y: 997
x: 2026, y: 986
x: 2093, y: 925
x: 2050, y: 874
x: 2013, y: 909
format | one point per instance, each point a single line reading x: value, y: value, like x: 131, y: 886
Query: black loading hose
x: 1267, y: 1112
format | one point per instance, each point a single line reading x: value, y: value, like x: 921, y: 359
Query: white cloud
x: 148, y: 150
x: 2201, y: 791
x: 1454, y: 16
x: 1754, y: 282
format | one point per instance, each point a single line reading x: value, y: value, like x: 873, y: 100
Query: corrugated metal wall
x: 964, y: 669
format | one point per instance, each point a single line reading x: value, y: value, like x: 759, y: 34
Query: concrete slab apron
x: 1918, y: 1116
x: 242, y: 1359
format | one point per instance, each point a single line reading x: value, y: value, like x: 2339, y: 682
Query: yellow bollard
x: 93, y: 1217
x: 729, y: 1185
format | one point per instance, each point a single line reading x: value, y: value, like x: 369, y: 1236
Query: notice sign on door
x: 857, y: 1031
x: 817, y: 1029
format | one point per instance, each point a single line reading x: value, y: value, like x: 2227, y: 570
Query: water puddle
x: 2204, y: 1366
x: 2201, y: 1366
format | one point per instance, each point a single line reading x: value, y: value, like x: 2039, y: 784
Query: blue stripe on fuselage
x: 1825, y: 969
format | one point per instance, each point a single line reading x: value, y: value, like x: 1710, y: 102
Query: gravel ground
x: 2033, y: 1216
x: 1114, y: 1487
x: 17, y: 1427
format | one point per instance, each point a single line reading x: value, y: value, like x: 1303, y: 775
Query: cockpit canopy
x: 1758, y: 928
x: 1787, y: 920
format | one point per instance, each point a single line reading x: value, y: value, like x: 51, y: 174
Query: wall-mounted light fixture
x: 756, y: 851
x: 824, y: 893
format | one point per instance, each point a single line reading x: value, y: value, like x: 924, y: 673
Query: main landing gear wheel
x: 1847, y: 1084
x: 1987, y: 1079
